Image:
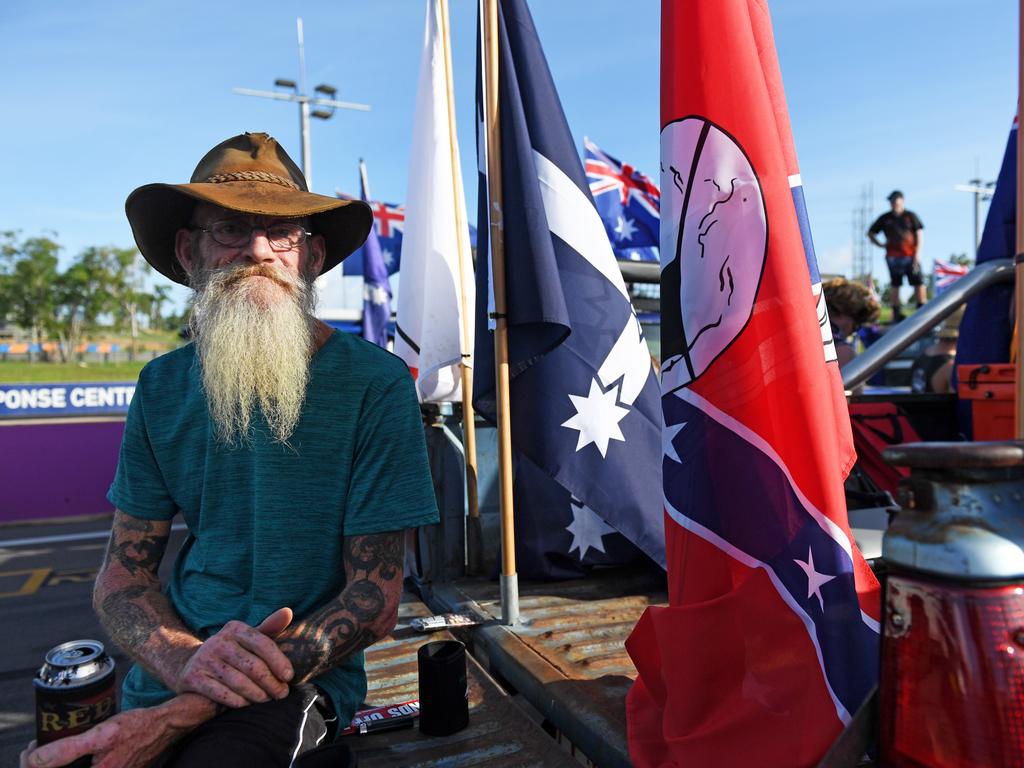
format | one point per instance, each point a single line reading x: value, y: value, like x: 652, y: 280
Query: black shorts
x: 277, y: 734
x: 900, y: 266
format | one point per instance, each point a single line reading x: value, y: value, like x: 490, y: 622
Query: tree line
x: 102, y: 289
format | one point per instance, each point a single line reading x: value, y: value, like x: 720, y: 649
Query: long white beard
x: 254, y: 332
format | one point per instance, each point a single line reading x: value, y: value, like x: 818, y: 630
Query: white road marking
x: 69, y: 537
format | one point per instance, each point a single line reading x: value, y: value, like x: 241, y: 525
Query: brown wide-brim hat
x: 249, y: 173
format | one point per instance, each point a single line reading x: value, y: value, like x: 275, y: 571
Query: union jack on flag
x: 946, y: 273
x: 628, y: 202
x: 389, y: 221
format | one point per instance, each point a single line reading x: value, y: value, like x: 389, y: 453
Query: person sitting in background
x: 932, y: 371
x: 850, y: 305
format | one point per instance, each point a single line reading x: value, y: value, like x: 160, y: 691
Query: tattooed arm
x: 130, y: 604
x: 239, y: 665
x: 364, y: 612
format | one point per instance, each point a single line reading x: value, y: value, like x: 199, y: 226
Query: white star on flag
x: 597, y: 418
x: 815, y: 580
x: 389, y: 258
x: 668, y: 434
x: 587, y: 529
x: 625, y: 230
x: 375, y: 294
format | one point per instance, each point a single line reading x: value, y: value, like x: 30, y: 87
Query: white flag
x: 430, y: 312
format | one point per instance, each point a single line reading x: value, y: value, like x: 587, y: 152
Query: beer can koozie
x: 74, y: 690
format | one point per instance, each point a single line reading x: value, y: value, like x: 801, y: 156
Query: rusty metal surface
x: 499, y: 734
x: 961, y: 520
x: 956, y: 455
x: 568, y: 658
x: 579, y: 627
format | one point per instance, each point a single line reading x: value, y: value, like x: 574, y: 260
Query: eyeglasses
x: 235, y: 233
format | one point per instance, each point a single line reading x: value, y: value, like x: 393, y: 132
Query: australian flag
x: 376, y: 286
x: 946, y: 273
x: 584, y: 398
x: 628, y: 202
x: 389, y: 223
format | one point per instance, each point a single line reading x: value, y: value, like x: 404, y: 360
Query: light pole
x: 982, y: 191
x: 324, y: 98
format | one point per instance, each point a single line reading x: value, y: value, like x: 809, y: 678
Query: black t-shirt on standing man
x: 899, y: 229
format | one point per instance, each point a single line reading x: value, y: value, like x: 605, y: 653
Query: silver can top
x: 73, y: 664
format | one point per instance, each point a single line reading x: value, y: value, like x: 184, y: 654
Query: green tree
x: 128, y: 290
x: 30, y: 279
x: 161, y: 295
x: 82, y: 297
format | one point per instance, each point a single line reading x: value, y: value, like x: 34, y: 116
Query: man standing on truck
x: 902, y: 229
x: 294, y: 454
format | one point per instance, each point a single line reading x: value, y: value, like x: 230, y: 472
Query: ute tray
x: 500, y: 732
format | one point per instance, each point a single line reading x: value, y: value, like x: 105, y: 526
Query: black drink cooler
x: 444, y: 694
x: 74, y: 692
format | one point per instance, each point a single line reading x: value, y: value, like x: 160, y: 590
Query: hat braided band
x: 270, y: 178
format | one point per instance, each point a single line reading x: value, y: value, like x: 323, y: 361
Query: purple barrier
x: 58, y: 468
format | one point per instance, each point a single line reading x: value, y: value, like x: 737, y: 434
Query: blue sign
x: 81, y: 399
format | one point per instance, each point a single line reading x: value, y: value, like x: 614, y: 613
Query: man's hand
x: 132, y: 739
x: 240, y: 665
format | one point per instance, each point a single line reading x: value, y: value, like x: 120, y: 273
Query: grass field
x: 18, y: 372
x: 149, y: 343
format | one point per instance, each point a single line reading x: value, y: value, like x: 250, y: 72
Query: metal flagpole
x: 304, y: 101
x: 364, y: 179
x: 307, y: 156
x: 468, y: 416
x: 1019, y: 283
x: 509, y: 580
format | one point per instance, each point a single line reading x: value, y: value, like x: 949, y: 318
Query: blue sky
x: 101, y: 97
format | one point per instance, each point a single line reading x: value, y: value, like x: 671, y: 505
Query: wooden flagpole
x: 468, y: 416
x: 1018, y: 336
x: 509, y: 579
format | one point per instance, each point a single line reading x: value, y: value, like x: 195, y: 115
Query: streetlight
x: 325, y: 98
x: 982, y: 190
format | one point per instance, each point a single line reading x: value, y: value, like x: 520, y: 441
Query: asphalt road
x: 46, y: 576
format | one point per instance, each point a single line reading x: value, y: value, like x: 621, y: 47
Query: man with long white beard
x: 294, y: 454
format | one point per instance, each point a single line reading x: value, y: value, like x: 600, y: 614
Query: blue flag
x: 584, y: 397
x: 628, y: 202
x: 376, y: 286
x: 389, y: 223
x: 557, y: 535
x: 986, y: 331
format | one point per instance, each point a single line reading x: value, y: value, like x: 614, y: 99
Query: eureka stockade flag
x: 769, y: 643
x: 584, y: 398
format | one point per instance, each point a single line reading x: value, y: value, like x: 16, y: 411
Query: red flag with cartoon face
x: 770, y: 641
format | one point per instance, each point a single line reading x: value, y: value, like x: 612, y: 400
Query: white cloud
x: 837, y: 261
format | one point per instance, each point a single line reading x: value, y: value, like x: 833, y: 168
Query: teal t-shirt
x: 267, y: 521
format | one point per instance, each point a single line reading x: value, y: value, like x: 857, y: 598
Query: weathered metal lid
x: 961, y: 510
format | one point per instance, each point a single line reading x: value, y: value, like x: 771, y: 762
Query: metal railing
x: 866, y: 364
